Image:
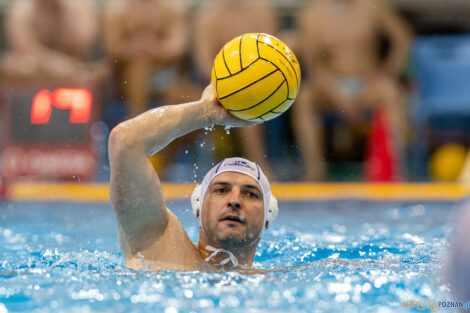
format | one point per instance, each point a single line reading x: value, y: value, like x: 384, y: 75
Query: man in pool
x: 234, y: 203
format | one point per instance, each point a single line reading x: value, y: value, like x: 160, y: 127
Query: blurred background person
x: 219, y: 22
x: 50, y: 39
x: 339, y: 42
x: 146, y: 41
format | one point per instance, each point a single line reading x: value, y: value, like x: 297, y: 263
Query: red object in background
x: 41, y: 107
x: 45, y: 130
x: 78, y: 100
x: 36, y: 161
x: 380, y: 163
x: 3, y: 190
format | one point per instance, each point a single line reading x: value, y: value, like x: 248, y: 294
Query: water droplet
x: 142, y: 261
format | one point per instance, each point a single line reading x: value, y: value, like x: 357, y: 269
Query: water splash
x: 209, y: 129
x: 374, y: 270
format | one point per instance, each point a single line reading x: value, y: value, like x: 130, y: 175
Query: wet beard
x: 236, y: 243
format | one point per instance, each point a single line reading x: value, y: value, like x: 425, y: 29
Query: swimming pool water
x: 65, y: 257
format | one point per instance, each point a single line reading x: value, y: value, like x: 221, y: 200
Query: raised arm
x: 146, y: 226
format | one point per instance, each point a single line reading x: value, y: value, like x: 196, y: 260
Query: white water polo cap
x: 243, y: 166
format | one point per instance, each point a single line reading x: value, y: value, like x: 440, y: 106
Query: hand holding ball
x: 256, y: 77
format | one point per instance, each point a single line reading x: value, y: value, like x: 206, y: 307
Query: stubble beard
x: 228, y: 239
x: 237, y: 241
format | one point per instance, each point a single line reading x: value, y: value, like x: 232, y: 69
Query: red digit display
x: 78, y: 100
x: 42, y: 107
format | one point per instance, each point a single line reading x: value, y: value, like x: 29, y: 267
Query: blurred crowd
x: 145, y: 53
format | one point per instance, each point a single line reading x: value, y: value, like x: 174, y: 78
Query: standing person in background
x: 48, y: 39
x: 339, y: 42
x: 146, y: 40
x: 216, y: 24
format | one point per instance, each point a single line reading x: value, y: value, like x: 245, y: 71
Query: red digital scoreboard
x: 45, y: 131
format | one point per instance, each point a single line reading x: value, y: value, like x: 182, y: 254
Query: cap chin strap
x: 231, y: 257
x: 196, y: 201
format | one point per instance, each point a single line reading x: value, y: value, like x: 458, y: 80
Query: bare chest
x: 149, y: 18
x: 346, y: 26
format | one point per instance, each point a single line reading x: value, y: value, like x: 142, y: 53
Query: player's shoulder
x: 171, y: 250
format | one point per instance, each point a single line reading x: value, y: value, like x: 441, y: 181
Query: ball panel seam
x: 254, y: 82
x: 223, y: 56
x: 288, y: 61
x: 239, y: 54
x: 270, y: 111
x: 284, y: 75
x: 272, y: 93
x: 231, y: 75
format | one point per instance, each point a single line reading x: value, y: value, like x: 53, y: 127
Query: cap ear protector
x: 196, y: 203
x: 272, y: 210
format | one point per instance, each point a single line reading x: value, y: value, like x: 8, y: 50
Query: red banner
x: 47, y: 162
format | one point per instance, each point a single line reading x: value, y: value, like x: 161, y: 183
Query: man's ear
x: 266, y: 224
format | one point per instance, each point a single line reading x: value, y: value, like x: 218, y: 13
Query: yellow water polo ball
x: 256, y: 77
x: 447, y: 161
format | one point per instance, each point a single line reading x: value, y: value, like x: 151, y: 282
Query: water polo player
x: 233, y: 204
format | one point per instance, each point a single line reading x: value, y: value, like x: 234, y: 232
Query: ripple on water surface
x: 366, y: 261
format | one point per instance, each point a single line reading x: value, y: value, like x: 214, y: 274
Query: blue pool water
x: 64, y: 257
